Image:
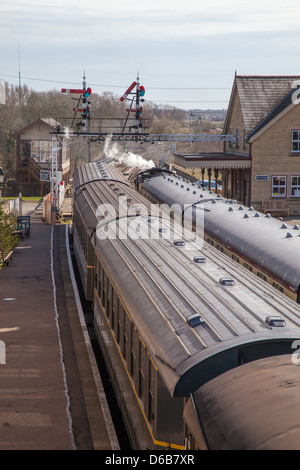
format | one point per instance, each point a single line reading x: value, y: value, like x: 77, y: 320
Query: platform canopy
x: 220, y: 161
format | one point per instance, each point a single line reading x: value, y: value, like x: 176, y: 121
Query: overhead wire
x: 149, y: 87
x: 119, y: 86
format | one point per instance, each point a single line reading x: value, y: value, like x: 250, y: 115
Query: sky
x: 186, y: 53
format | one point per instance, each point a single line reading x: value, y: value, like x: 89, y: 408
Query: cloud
x: 170, y: 42
x: 74, y: 22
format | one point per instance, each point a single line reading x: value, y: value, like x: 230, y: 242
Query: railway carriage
x: 171, y: 313
x: 264, y: 245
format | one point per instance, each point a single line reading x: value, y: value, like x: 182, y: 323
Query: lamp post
x: 2, y: 180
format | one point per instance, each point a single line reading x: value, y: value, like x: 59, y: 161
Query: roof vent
x: 296, y: 227
x: 187, y: 189
x: 241, y: 208
x: 225, y: 281
x: 288, y: 235
x: 213, y: 201
x: 218, y: 195
x: 194, y: 192
x: 283, y: 226
x: 194, y: 320
x: 230, y: 209
x: 179, y: 242
x: 199, y: 259
x: 177, y: 183
x: 256, y: 214
x: 268, y: 216
x: 246, y: 216
x: 251, y: 209
x: 182, y: 186
x: 201, y: 195
x: 275, y: 321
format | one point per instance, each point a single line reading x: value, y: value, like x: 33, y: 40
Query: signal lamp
x: 87, y: 92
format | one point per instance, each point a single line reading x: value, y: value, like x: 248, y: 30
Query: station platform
x: 51, y: 394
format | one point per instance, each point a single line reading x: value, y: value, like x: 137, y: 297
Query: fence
x: 12, y: 189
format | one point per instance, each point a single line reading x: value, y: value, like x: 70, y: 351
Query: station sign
x: 45, y: 175
x: 261, y: 177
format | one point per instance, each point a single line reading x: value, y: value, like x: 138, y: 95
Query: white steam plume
x: 127, y: 158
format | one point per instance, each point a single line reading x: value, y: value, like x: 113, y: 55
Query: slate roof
x: 48, y: 121
x: 281, y: 106
x: 259, y: 96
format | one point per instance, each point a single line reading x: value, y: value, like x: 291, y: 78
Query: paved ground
x: 49, y: 396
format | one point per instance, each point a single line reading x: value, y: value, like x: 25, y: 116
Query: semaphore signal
x: 138, y: 94
x: 134, y: 97
x: 128, y: 91
x: 84, y: 93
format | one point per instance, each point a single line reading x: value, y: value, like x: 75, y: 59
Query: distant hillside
x: 207, y: 114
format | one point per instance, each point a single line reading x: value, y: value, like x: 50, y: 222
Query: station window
x: 295, y: 141
x: 237, y: 137
x: 295, y: 186
x: 244, y: 139
x: 279, y: 186
x: 41, y: 150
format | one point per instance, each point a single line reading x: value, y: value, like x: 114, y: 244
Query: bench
x: 278, y: 207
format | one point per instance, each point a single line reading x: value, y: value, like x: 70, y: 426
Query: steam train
x: 184, y: 331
